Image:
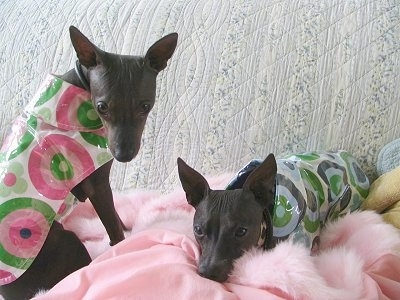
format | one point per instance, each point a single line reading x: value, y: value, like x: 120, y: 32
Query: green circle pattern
x: 95, y: 139
x: 284, y: 206
x: 88, y: 117
x: 309, y: 156
x: 61, y: 168
x: 24, y: 142
x: 348, y: 160
x: 313, y: 180
x: 50, y: 91
x: 311, y: 225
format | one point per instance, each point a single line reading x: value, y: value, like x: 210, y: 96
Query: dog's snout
x: 124, y: 156
x: 213, y: 274
x: 124, y: 145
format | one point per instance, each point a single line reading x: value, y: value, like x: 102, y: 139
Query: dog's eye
x: 102, y: 108
x: 197, y: 230
x: 146, y: 108
x: 241, y: 231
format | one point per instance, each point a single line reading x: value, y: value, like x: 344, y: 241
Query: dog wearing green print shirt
x: 270, y: 201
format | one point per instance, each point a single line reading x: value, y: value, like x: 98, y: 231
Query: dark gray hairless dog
x: 66, y: 139
x: 270, y: 201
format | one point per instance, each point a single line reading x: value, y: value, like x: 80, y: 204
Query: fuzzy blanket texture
x: 359, y: 258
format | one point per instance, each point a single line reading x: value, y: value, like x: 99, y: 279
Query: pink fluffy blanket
x: 358, y: 259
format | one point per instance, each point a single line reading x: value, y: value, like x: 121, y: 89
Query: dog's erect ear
x: 194, y: 184
x: 88, y: 54
x: 162, y: 50
x: 262, y: 181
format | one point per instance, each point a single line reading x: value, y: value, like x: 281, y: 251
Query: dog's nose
x: 124, y: 156
x: 213, y: 274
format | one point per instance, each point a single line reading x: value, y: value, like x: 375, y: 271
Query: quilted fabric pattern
x: 248, y: 77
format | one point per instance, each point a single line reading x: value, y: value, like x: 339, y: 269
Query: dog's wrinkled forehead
x: 237, y: 204
x: 220, y: 201
x: 130, y: 75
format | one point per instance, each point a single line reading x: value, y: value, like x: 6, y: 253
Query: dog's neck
x: 263, y: 232
x: 77, y: 76
x: 266, y: 240
x: 81, y: 76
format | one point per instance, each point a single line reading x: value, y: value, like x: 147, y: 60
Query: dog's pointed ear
x: 262, y: 181
x: 194, y: 184
x: 162, y: 50
x: 88, y: 54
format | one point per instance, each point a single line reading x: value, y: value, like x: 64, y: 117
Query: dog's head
x: 229, y: 222
x: 123, y: 88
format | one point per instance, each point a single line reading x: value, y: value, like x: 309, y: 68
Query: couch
x: 248, y: 78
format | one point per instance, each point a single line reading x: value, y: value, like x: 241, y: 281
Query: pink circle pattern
x: 20, y: 219
x: 67, y: 107
x: 39, y: 168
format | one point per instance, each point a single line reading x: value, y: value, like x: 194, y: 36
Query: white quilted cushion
x: 248, y: 77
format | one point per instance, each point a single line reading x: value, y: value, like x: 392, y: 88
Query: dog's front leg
x: 98, y: 190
